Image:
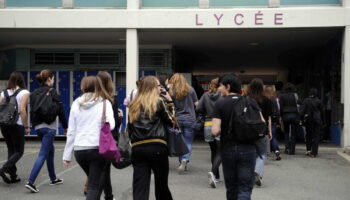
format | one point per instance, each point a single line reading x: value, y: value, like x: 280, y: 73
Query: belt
x: 208, y: 123
x: 149, y: 141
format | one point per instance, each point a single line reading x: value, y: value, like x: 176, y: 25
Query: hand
x: 65, y: 131
x: 27, y: 130
x: 167, y: 96
x: 270, y: 136
x: 66, y: 163
x: 120, y: 113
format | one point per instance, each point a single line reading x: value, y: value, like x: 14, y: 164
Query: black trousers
x: 94, y: 166
x: 14, y: 138
x: 145, y: 158
x: 107, y: 184
x: 215, y: 157
x: 313, y: 132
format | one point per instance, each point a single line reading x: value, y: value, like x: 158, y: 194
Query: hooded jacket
x: 206, y: 104
x: 85, y: 122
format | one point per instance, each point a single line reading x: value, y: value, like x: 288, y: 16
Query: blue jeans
x: 274, y: 141
x: 47, y: 152
x: 262, y: 145
x: 238, y: 162
x: 188, y: 133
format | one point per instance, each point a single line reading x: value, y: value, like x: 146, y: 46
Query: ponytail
x: 44, y: 75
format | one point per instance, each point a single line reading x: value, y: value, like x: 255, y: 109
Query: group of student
x: 154, y: 105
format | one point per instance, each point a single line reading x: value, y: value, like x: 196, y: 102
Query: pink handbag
x: 108, y: 148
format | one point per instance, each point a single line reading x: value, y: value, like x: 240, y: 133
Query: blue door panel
x: 77, y: 77
x: 33, y: 84
x: 64, y: 90
x: 121, y: 91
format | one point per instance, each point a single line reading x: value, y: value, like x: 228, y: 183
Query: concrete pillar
x: 274, y: 3
x: 345, y: 82
x: 67, y: 3
x: 204, y: 4
x: 133, y: 4
x: 132, y: 59
x: 346, y: 3
x: 2, y: 3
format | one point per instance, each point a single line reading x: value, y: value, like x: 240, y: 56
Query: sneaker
x: 16, y: 179
x: 258, y: 180
x: 183, y: 167
x: 5, y: 177
x: 212, y: 179
x: 31, y: 187
x: 278, y: 155
x: 56, y: 182
x: 308, y: 153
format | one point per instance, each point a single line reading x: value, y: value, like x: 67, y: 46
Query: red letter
x: 218, y: 18
x: 257, y: 18
x: 278, y: 19
x: 197, y: 22
x: 239, y: 15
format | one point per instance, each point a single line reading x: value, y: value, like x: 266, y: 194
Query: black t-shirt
x: 265, y: 105
x: 223, y: 110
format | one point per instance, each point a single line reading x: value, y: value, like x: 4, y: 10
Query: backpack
x: 9, y: 109
x: 312, y: 113
x: 46, y: 110
x: 245, y: 122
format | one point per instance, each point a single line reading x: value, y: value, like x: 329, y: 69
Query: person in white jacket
x: 85, y: 121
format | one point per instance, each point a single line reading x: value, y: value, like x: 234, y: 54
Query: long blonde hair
x: 146, y: 99
x: 106, y: 85
x: 214, y: 85
x: 270, y: 91
x: 179, y: 86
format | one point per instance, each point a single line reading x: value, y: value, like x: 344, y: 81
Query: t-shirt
x: 223, y: 110
x: 184, y: 108
x: 18, y: 98
x: 265, y: 105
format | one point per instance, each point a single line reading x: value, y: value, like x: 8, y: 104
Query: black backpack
x: 246, y: 124
x: 45, y: 109
x: 9, y: 109
x: 312, y: 112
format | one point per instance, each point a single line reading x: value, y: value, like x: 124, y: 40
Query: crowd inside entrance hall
x: 240, y: 125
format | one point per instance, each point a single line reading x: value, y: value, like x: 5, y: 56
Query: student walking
x: 312, y: 112
x: 42, y: 100
x: 206, y: 107
x: 290, y: 117
x: 85, y: 122
x: 148, y: 115
x: 270, y: 92
x: 238, y: 158
x: 185, y: 99
x: 256, y: 91
x: 14, y: 134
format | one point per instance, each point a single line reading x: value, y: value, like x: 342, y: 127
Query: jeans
x: 313, y: 132
x: 262, y: 145
x: 107, y: 184
x: 215, y: 157
x: 47, y: 153
x: 94, y: 166
x: 238, y: 162
x: 188, y: 133
x: 145, y: 158
x: 274, y: 141
x: 14, y: 138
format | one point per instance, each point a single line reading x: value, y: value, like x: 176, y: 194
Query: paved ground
x: 294, y: 178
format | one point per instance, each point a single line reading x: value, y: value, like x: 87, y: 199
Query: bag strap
x: 104, y: 112
x: 6, y: 94
x: 16, y: 92
x: 45, y: 94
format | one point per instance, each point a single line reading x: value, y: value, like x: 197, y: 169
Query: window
x: 54, y: 59
x: 99, y: 59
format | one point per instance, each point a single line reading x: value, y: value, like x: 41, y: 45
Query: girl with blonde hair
x: 149, y: 113
x: 185, y: 99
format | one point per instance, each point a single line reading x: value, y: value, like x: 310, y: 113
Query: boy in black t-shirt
x: 238, y: 160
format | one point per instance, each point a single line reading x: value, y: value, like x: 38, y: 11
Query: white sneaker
x: 183, y: 167
x: 212, y: 179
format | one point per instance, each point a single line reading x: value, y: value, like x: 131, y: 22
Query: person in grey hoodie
x: 205, y: 108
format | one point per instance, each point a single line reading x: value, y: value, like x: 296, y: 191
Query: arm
x: 23, y: 112
x: 200, y: 108
x: 167, y: 111
x: 68, y: 150
x: 194, y: 97
x: 270, y: 128
x: 110, y: 114
x: 216, y: 127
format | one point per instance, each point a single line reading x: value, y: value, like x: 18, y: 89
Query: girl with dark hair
x: 14, y: 135
x: 83, y: 136
x: 205, y: 107
x: 312, y: 112
x: 256, y: 91
x: 45, y: 128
